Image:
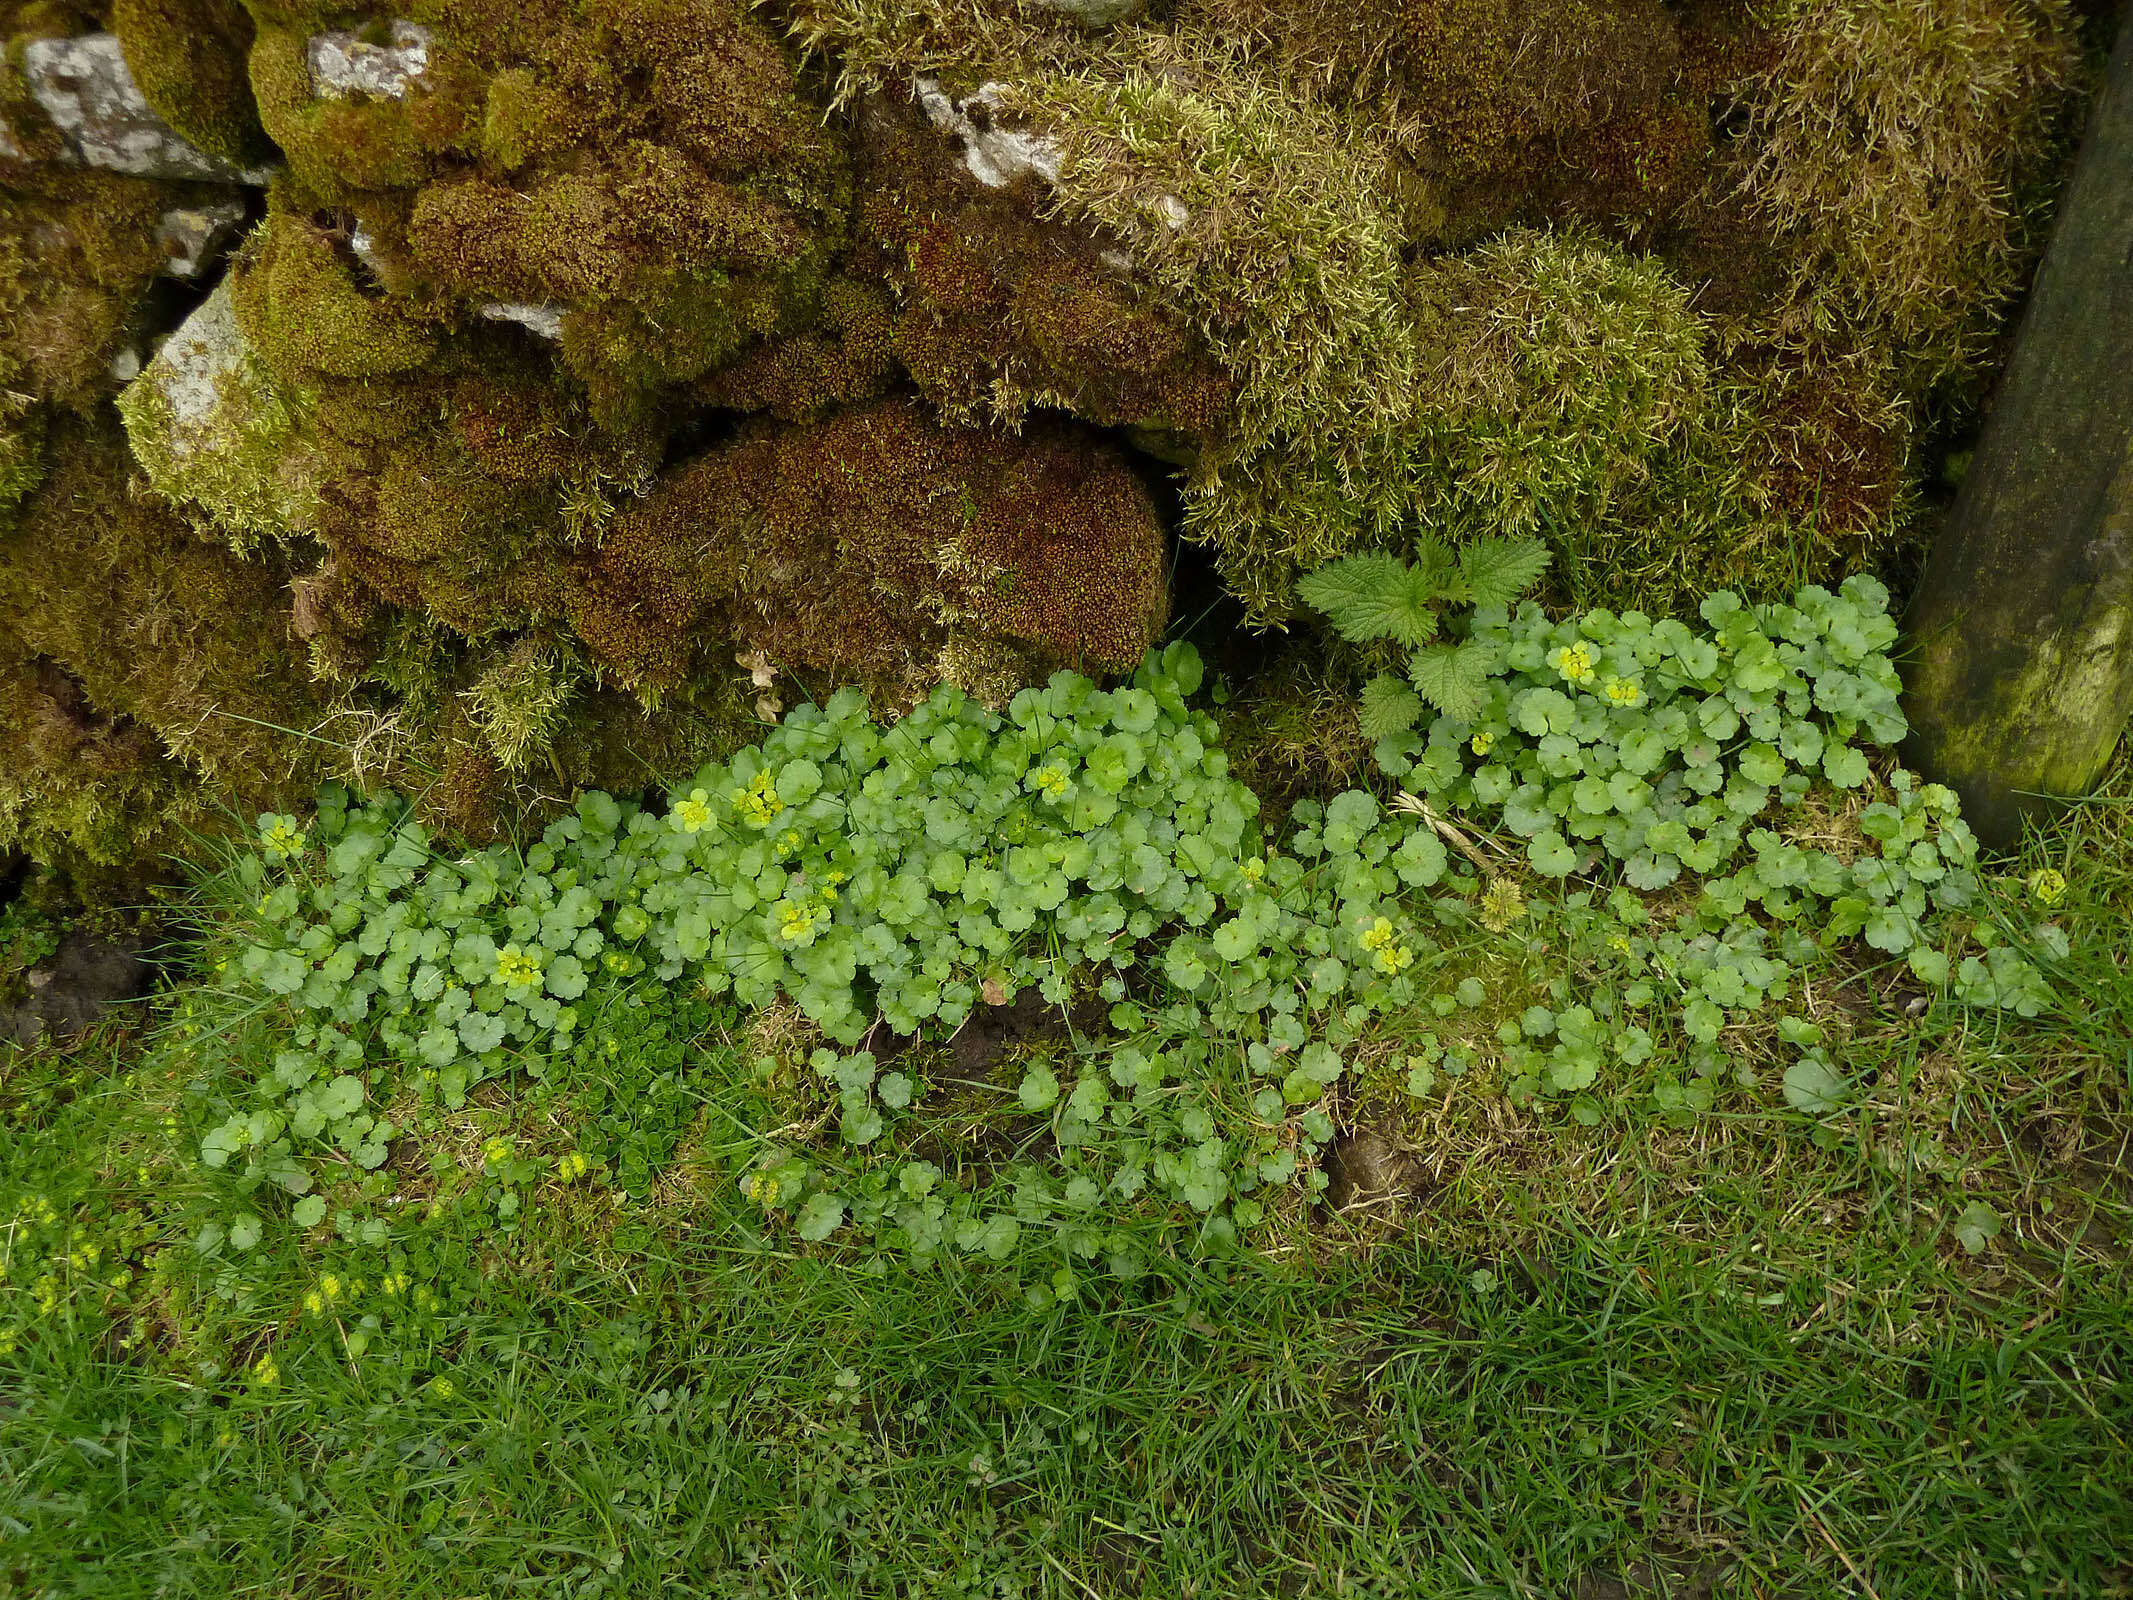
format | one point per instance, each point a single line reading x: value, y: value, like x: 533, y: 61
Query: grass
x: 1742, y: 1354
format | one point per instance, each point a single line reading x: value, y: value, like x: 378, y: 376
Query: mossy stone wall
x: 593, y: 376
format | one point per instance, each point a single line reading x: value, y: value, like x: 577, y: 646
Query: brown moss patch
x: 858, y: 546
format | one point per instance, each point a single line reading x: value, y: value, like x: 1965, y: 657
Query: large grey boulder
x: 83, y: 85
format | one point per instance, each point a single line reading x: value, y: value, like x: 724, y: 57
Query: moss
x: 1001, y: 309
x: 847, y: 356
x: 1488, y: 77
x: 854, y: 546
x: 191, y: 60
x: 340, y: 146
x: 80, y: 790
x: 159, y: 629
x: 78, y: 254
x: 21, y: 451
x: 1263, y: 217
x: 648, y: 166
x: 519, y: 701
x: 1883, y: 144
x: 302, y: 308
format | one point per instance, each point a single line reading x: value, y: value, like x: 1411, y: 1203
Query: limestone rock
x: 996, y: 156
x: 345, y: 64
x: 546, y: 321
x: 196, y: 237
x: 215, y: 431
x: 85, y: 88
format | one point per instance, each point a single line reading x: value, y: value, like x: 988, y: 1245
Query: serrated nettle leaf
x: 1388, y: 707
x: 1374, y: 596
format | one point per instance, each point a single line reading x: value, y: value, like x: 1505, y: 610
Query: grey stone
x: 546, y: 321
x: 84, y: 87
x: 344, y: 64
x: 194, y: 238
x: 214, y: 430
x: 996, y: 156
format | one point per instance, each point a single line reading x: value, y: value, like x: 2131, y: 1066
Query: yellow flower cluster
x: 693, y: 815
x: 797, y: 922
x: 264, y: 1371
x: 495, y: 1150
x: 2048, y: 886
x: 758, y: 803
x: 1625, y: 692
x: 1050, y: 780
x: 573, y: 1166
x: 516, y: 968
x: 788, y: 843
x: 1574, y: 662
x: 1387, y: 954
x: 1482, y: 743
x: 760, y: 1187
x: 284, y: 839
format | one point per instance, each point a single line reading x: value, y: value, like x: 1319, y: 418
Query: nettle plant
x: 1377, y: 596
x: 1617, y: 746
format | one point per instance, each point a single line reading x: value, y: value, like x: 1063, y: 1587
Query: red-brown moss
x: 856, y: 546
x: 1000, y: 309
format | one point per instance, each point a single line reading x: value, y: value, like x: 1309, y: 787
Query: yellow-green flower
x: 1625, y: 692
x: 1050, y: 780
x: 2047, y: 886
x: 1387, y: 954
x: 496, y: 1150
x: 797, y: 922
x: 284, y: 838
x: 516, y: 968
x: 1574, y: 662
x: 760, y: 1187
x: 757, y: 804
x: 574, y: 1166
x: 693, y: 815
x: 264, y: 1372
x: 1482, y: 743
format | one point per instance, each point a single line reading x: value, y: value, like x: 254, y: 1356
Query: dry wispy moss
x: 1890, y: 144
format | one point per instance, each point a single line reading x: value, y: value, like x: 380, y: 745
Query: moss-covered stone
x: 220, y: 435
x: 860, y: 546
x: 191, y: 62
x: 161, y: 632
